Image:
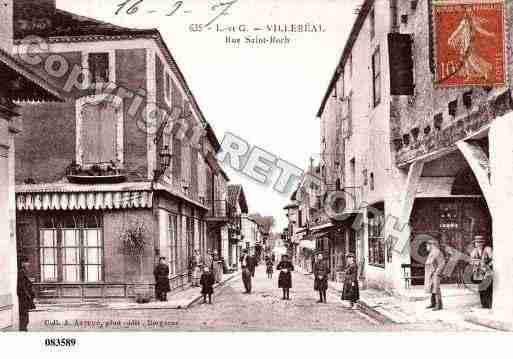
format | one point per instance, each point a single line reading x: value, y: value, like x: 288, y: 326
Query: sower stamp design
x: 469, y: 43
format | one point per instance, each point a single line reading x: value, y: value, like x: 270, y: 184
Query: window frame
x: 173, y: 242
x: 91, y: 65
x: 376, y: 77
x: 42, y: 251
x: 88, y: 78
x: 59, y: 226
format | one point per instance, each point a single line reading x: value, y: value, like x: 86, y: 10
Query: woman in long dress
x: 482, y: 272
x: 196, y: 268
x: 285, y: 279
x: 351, y: 291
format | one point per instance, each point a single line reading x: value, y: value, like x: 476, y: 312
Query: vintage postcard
x: 255, y: 166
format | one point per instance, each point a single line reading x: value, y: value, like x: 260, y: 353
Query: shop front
x: 456, y: 221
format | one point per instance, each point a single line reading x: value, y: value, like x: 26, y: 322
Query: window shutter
x: 99, y: 133
x: 90, y: 134
x: 177, y: 161
x: 108, y: 131
x: 194, y: 172
x: 401, y: 64
x: 432, y: 65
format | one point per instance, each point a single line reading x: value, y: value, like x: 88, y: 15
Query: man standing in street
x: 25, y: 293
x: 321, y: 271
x: 161, y: 274
x: 245, y: 263
x: 434, y: 266
x: 252, y: 263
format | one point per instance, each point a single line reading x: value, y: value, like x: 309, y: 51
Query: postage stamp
x: 469, y: 47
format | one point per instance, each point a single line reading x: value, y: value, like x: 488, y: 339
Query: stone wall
x: 48, y: 143
x: 427, y: 112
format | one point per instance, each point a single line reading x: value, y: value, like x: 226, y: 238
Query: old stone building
x: 121, y: 173
x: 19, y: 86
x: 424, y: 152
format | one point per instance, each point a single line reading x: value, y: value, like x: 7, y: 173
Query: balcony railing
x: 103, y: 172
x: 219, y: 210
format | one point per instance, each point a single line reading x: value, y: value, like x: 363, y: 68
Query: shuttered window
x: 99, y: 133
x: 177, y: 161
x: 194, y: 173
x: 401, y: 64
x: 376, y: 77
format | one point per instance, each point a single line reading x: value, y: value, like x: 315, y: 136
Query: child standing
x: 285, y: 279
x: 207, y: 281
x: 270, y: 268
x: 351, y: 292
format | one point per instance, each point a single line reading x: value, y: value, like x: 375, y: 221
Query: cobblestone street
x: 233, y: 310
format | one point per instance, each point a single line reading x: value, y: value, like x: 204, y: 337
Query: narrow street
x: 232, y: 310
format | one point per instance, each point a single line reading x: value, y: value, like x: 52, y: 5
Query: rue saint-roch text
x: 258, y: 40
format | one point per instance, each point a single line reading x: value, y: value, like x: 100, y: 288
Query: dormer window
x: 99, y: 67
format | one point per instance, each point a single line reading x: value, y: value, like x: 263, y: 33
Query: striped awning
x: 76, y: 197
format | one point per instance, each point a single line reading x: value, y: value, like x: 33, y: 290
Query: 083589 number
x: 60, y: 342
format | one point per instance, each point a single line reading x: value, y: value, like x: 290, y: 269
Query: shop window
x: 48, y: 255
x: 99, y: 67
x: 376, y: 239
x: 190, y: 237
x: 71, y: 249
x: 173, y: 244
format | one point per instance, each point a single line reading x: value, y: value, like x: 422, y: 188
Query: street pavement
x: 233, y: 310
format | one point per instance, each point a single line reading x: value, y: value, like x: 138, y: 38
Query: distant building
x: 233, y: 243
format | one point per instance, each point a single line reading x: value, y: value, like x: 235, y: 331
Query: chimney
x: 6, y: 25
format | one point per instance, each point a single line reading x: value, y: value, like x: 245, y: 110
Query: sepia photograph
x: 255, y: 166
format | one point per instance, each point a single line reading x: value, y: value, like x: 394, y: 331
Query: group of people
x: 204, y: 273
x: 321, y: 272
x: 351, y: 289
x: 481, y: 271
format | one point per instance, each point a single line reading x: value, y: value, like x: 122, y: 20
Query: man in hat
x: 434, y: 266
x: 245, y: 263
x: 161, y: 274
x: 482, y: 272
x: 321, y: 271
x: 25, y: 293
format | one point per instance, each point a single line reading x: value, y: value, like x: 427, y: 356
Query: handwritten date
x: 131, y: 7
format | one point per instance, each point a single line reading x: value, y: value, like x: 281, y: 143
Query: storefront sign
x: 469, y: 43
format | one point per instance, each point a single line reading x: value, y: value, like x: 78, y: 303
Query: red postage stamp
x: 469, y: 43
